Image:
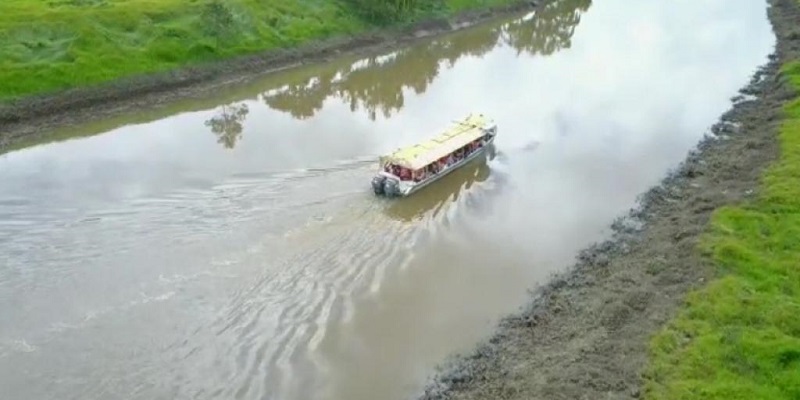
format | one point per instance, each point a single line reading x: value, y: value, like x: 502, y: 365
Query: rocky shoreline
x: 33, y: 115
x: 585, y: 334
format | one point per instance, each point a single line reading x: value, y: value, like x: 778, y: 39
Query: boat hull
x: 389, y: 186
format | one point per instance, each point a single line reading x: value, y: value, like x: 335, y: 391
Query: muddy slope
x: 41, y: 113
x: 584, y: 336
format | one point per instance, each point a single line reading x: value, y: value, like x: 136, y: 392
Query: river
x: 230, y: 247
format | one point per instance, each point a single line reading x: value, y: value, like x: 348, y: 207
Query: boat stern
x: 384, y: 184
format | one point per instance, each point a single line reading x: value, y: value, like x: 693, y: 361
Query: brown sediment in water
x: 32, y: 115
x: 585, y: 334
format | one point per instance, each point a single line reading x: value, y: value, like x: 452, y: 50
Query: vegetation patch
x: 84, y: 42
x: 739, y: 337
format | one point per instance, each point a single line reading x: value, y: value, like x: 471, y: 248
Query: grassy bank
x: 50, y: 45
x: 739, y: 337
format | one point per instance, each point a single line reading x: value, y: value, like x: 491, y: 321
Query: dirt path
x: 585, y: 335
x: 34, y: 115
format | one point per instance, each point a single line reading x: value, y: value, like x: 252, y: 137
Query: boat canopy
x: 420, y: 155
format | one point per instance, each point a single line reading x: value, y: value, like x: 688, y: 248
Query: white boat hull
x: 388, y: 185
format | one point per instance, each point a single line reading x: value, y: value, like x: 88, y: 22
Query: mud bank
x: 33, y: 115
x: 585, y: 334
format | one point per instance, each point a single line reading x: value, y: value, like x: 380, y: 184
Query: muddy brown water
x: 230, y: 247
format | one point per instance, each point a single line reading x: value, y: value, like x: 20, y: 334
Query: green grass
x: 49, y: 45
x: 739, y: 337
x: 463, y: 5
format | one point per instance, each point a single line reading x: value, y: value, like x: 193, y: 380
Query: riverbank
x: 34, y: 113
x: 588, y: 334
x: 739, y: 337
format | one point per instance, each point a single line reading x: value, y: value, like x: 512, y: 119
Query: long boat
x: 409, y: 169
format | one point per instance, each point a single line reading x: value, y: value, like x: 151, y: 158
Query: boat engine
x: 378, y: 184
x: 391, y: 187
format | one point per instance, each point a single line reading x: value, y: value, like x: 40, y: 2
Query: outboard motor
x: 391, y: 187
x: 378, y: 184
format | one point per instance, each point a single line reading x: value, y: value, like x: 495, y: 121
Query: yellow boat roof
x: 419, y: 155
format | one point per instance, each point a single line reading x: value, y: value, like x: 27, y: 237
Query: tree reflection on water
x: 227, y: 124
x: 377, y: 84
x: 550, y: 30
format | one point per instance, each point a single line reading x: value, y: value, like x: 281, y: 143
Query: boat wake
x: 300, y: 285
